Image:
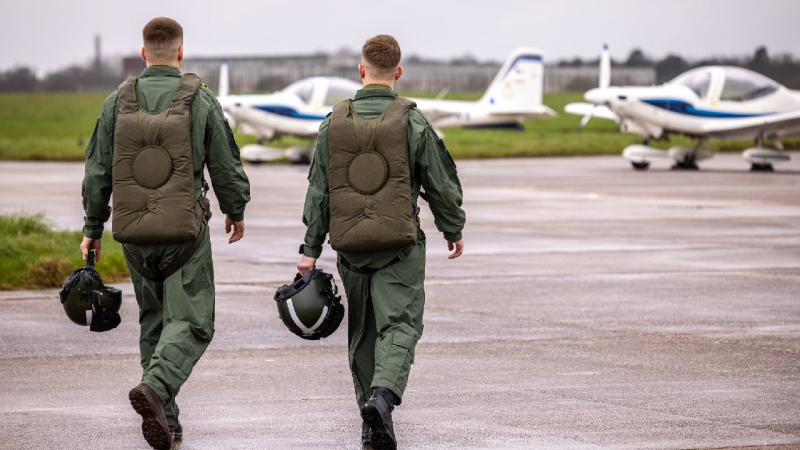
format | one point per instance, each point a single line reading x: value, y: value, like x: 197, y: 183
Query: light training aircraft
x: 707, y: 102
x: 298, y: 109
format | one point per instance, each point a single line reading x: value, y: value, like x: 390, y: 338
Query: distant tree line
x: 99, y: 77
x: 95, y: 78
x: 784, y: 69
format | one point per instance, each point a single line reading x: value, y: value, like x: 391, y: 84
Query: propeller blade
x: 224, y: 79
x: 605, y: 67
x: 587, y: 117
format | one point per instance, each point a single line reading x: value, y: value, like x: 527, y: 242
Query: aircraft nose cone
x: 598, y: 96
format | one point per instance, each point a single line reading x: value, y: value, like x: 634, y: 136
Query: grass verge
x: 58, y: 126
x: 33, y: 256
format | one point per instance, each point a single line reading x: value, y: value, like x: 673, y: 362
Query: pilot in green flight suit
x: 176, y: 310
x: 383, y: 281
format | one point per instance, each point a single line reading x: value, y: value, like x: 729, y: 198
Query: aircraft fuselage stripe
x: 286, y: 111
x: 534, y: 58
x: 682, y: 107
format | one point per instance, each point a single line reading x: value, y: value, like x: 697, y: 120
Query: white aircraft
x: 707, y: 102
x: 297, y: 110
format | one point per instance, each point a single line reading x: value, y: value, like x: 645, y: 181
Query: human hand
x: 90, y: 244
x: 306, y: 265
x: 459, y: 247
x: 238, y: 230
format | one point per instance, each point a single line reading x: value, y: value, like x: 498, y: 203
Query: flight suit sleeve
x: 316, y: 211
x: 96, y: 189
x: 439, y: 179
x: 230, y: 183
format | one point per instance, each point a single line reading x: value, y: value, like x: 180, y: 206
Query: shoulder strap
x: 181, y: 103
x: 341, y: 109
x: 126, y: 93
x: 405, y: 103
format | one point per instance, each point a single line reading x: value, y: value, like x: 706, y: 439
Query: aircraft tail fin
x: 224, y: 80
x: 517, y: 87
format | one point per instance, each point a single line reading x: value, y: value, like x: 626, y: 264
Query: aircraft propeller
x: 604, y: 83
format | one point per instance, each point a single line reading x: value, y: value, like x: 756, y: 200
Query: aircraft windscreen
x: 697, y: 80
x: 302, y: 89
x: 742, y: 85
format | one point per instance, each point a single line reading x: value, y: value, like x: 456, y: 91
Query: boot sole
x: 381, y: 440
x: 155, y: 432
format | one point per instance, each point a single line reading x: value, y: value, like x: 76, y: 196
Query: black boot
x: 366, y: 436
x: 377, y: 414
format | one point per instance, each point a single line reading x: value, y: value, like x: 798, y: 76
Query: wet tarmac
x: 595, y: 307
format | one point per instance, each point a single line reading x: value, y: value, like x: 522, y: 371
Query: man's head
x: 163, y: 42
x: 380, y: 60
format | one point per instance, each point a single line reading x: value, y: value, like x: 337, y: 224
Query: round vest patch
x: 367, y: 172
x: 151, y: 167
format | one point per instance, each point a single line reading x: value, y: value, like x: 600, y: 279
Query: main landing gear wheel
x: 761, y: 167
x: 644, y: 165
x: 687, y: 164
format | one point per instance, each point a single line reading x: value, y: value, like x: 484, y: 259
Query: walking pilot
x: 155, y: 136
x: 375, y: 156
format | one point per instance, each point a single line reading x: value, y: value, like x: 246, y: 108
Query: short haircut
x: 162, y: 38
x: 382, y: 56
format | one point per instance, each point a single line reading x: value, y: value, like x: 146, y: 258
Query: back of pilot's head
x: 162, y: 38
x: 381, y: 56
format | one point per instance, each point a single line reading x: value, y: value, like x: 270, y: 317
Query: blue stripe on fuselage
x: 497, y: 126
x: 682, y: 107
x: 534, y: 58
x: 286, y: 111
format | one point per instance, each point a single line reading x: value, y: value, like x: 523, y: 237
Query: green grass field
x: 33, y: 256
x: 58, y: 126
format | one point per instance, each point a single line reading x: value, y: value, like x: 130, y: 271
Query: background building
x: 252, y: 74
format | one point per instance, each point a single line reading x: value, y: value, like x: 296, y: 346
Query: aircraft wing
x: 771, y: 125
x: 434, y: 114
x: 599, y: 111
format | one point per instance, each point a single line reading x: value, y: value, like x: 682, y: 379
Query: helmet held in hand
x: 309, y: 307
x: 88, y: 302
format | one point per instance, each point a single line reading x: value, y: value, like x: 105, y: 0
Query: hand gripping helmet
x: 309, y: 306
x: 87, y: 301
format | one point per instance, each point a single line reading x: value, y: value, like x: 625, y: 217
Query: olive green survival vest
x: 369, y: 179
x: 153, y: 173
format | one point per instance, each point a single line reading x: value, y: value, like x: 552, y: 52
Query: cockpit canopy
x: 340, y: 89
x: 335, y: 89
x: 302, y: 88
x: 739, y: 84
x: 698, y: 80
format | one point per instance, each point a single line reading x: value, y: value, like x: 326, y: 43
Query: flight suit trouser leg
x: 150, y: 299
x: 176, y: 317
x: 384, y: 323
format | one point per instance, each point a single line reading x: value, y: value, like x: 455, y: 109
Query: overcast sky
x: 48, y: 35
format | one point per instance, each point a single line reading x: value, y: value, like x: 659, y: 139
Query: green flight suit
x: 385, y: 307
x: 176, y: 315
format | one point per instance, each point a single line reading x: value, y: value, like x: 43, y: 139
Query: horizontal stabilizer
x: 528, y: 112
